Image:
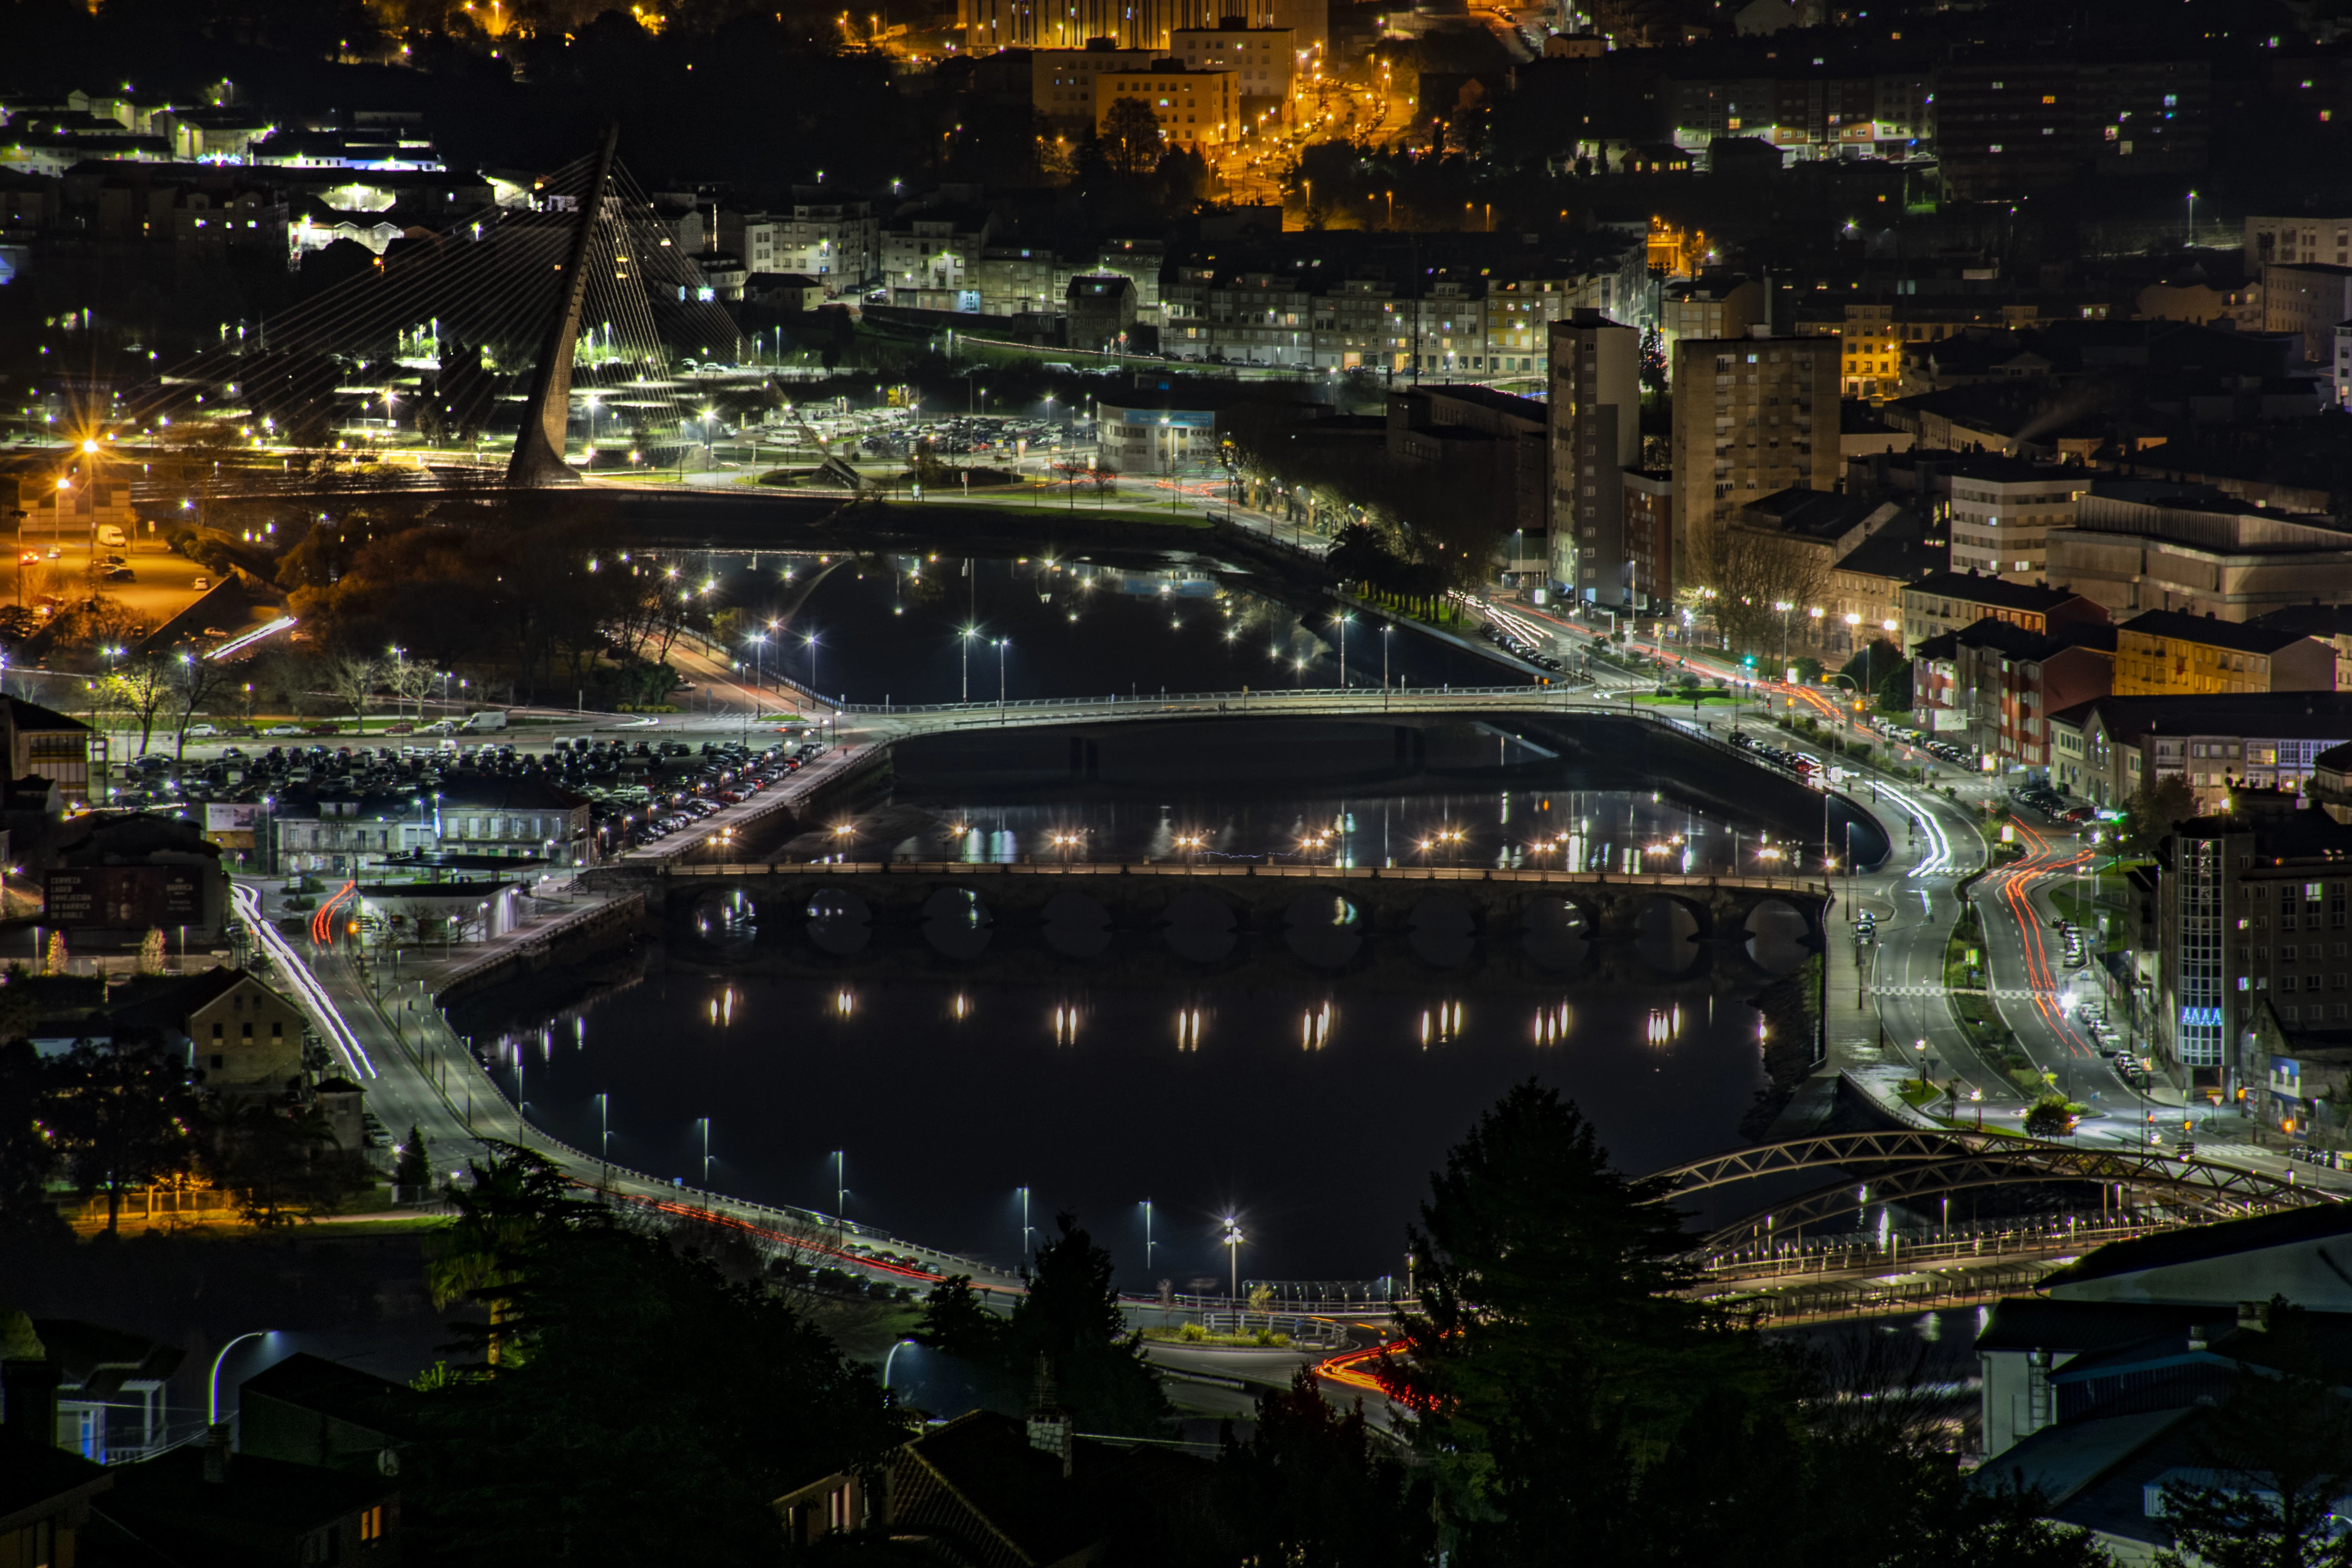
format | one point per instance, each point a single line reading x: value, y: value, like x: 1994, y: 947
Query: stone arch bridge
x: 1137, y: 895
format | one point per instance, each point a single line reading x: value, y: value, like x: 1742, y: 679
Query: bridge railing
x: 1180, y: 869
x: 1923, y: 1246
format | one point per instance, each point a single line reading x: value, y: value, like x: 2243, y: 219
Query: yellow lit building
x: 1195, y: 108
x: 2169, y: 653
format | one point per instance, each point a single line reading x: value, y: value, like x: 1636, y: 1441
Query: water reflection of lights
x: 845, y: 1001
x: 1553, y: 1024
x: 1188, y: 1028
x: 1065, y: 1024
x: 1442, y: 1023
x: 961, y: 1008
x: 722, y: 1008
x: 1315, y: 1028
x: 1665, y: 1025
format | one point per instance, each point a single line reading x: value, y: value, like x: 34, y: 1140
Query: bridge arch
x: 1897, y: 1166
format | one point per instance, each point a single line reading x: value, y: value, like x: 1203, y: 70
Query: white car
x: 202, y: 731
x: 286, y: 730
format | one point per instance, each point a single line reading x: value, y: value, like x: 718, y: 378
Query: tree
x: 123, y: 1117
x: 628, y: 1372
x: 2153, y: 811
x: 281, y: 1161
x: 1753, y: 572
x: 1882, y: 674
x: 151, y: 951
x: 956, y: 1323
x: 195, y: 681
x: 29, y: 1151
x: 1071, y: 1315
x: 1314, y: 1488
x: 139, y: 686
x: 2281, y: 1452
x: 1552, y: 1356
x: 414, y: 1166
x: 354, y: 679
x: 1131, y: 137
x: 2050, y: 1117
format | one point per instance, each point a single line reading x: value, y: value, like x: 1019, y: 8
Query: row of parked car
x: 736, y: 775
x: 2051, y: 804
x: 1805, y: 767
x: 1510, y: 642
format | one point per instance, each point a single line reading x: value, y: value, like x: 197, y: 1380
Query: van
x: 488, y: 718
x: 111, y: 536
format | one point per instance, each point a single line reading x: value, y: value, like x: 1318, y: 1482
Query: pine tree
x: 151, y: 951
x: 56, y: 962
x: 414, y: 1166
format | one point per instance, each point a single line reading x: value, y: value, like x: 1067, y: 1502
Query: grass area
x: 1194, y: 1335
x: 1010, y: 510
x: 1683, y: 699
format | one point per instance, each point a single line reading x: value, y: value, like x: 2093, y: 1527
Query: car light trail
x: 1355, y: 1368
x: 237, y: 645
x: 304, y: 985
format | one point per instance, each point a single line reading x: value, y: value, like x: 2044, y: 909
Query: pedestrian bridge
x: 1920, y: 1166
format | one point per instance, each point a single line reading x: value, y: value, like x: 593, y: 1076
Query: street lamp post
x: 211, y: 1407
x: 967, y: 633
x: 1002, y: 644
x: 887, y: 1360
x: 1343, y: 621
x: 1232, y: 1242
x: 1025, y: 1220
x: 704, y: 1123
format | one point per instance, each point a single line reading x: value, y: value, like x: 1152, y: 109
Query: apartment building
x: 1867, y: 583
x: 2306, y: 300
x: 2143, y: 545
x: 1495, y: 444
x: 2105, y: 750
x: 1650, y: 538
x: 1196, y: 107
x: 2003, y: 509
x: 1948, y: 600
x: 2164, y: 652
x: 1595, y: 410
x: 1993, y: 684
x: 2251, y: 905
x: 2296, y: 241
x: 1453, y: 326
x: 1263, y: 60
x: 2010, y: 125
x: 1062, y: 81
x: 1807, y: 117
x: 1752, y: 416
x: 1713, y: 306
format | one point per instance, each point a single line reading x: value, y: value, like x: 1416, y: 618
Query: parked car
x: 287, y: 730
x: 201, y: 731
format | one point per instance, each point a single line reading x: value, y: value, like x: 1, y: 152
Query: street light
x: 1232, y: 1242
x: 887, y: 1360
x: 967, y: 634
x: 211, y: 1407
x: 1002, y: 644
x: 704, y: 1123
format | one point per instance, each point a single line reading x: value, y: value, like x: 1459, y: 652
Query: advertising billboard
x: 127, y: 896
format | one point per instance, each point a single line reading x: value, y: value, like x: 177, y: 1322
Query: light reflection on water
x: 1314, y: 1110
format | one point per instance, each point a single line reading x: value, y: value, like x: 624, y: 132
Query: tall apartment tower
x: 1596, y: 436
x: 1752, y: 416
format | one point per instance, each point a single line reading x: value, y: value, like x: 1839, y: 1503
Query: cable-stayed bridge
x: 560, y: 329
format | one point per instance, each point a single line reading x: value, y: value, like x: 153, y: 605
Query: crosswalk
x: 2004, y: 993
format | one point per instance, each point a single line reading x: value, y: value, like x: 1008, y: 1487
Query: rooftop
x: 1970, y: 588
x: 2280, y: 715
x: 2236, y: 636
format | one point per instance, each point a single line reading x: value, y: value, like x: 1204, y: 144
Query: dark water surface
x: 893, y: 629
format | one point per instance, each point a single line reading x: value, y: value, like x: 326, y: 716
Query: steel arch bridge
x: 1928, y: 1164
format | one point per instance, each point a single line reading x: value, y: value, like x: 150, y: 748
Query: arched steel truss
x: 1921, y: 1164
